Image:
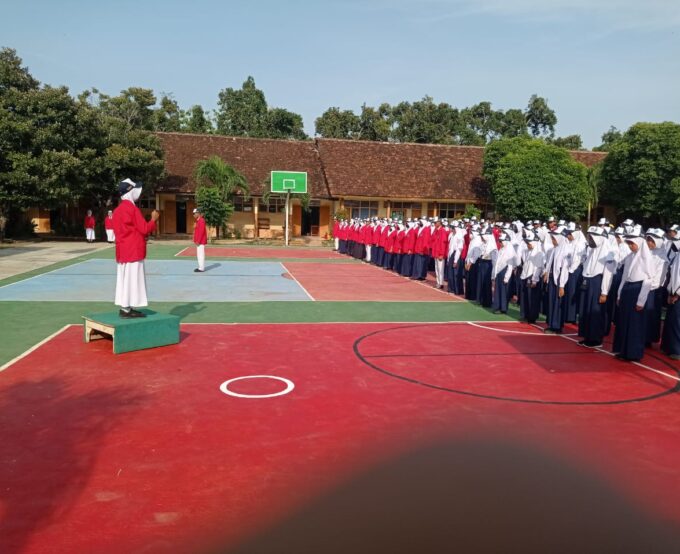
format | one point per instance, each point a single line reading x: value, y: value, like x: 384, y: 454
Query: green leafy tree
x: 375, y: 123
x: 472, y: 211
x: 570, y: 142
x: 535, y: 180
x: 244, y: 112
x: 541, y: 120
x: 216, y: 173
x: 195, y: 120
x: 483, y: 121
x: 640, y: 170
x: 213, y: 207
x: 424, y: 122
x: 594, y: 186
x: 513, y: 124
x: 608, y: 139
x: 168, y: 115
x: 283, y: 124
x: 337, y: 123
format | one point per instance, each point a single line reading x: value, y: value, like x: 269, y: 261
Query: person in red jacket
x: 439, y: 244
x: 131, y: 231
x: 200, y: 240
x: 108, y: 225
x: 89, y: 226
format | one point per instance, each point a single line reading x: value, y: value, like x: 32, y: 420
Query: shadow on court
x: 469, y: 496
x: 212, y: 266
x: 49, y: 444
x: 185, y: 310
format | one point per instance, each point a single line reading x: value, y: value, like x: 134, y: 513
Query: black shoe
x: 125, y: 315
x: 674, y: 356
x: 582, y: 343
x: 593, y: 345
x: 199, y: 270
x: 137, y: 313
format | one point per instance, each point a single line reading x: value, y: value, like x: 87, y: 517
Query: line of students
x: 596, y: 279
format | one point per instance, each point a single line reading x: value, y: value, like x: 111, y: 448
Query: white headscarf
x: 559, y: 255
x: 640, y: 266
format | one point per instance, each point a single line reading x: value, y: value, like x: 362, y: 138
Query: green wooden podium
x: 133, y: 334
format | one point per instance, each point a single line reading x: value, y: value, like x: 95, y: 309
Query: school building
x: 360, y: 178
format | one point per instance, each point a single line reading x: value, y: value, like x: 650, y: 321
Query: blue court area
x: 166, y: 281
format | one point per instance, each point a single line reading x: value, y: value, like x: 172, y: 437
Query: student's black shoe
x: 549, y: 331
x: 125, y: 315
x: 582, y: 343
x: 199, y: 270
x: 137, y: 313
x: 674, y: 356
x: 592, y: 344
x: 497, y: 311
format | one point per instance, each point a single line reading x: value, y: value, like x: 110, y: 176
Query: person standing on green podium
x: 131, y: 230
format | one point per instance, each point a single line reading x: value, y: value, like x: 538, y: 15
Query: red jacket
x: 439, y: 243
x: 131, y: 231
x: 410, y: 241
x: 376, y: 235
x: 200, y: 234
x: 423, y: 242
x: 383, y: 236
x: 336, y: 229
x: 389, y: 241
x: 108, y: 222
x: 466, y: 244
x: 89, y: 222
x: 399, y: 242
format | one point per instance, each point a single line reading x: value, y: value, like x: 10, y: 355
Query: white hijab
x: 598, y: 255
x: 639, y: 266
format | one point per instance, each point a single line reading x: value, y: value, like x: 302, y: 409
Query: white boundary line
x: 520, y: 332
x: 183, y: 250
x: 643, y: 366
x: 224, y: 387
x: 298, y: 282
x: 35, y: 347
x: 47, y: 272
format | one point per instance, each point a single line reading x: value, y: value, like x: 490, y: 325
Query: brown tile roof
x: 588, y: 158
x: 394, y: 170
x: 339, y: 168
x: 255, y: 158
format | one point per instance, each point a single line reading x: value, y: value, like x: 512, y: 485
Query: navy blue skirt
x: 484, y: 282
x: 670, y: 342
x: 530, y: 301
x: 572, y: 293
x: 593, y: 321
x: 555, y: 316
x: 500, y: 293
x: 471, y: 282
x: 631, y: 333
x: 406, y: 265
x: 653, y: 315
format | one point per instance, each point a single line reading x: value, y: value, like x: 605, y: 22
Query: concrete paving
x: 20, y: 257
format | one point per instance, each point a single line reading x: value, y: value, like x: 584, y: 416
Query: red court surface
x: 143, y: 452
x: 362, y: 282
x: 257, y: 252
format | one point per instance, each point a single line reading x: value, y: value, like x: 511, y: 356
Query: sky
x: 598, y: 62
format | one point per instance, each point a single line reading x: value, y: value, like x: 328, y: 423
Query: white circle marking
x: 224, y: 387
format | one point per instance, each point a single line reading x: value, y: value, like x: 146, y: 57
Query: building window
x: 276, y: 205
x: 241, y: 204
x: 362, y: 209
x: 451, y: 210
x: 404, y: 210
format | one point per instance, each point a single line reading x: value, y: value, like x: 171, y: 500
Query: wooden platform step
x: 133, y: 334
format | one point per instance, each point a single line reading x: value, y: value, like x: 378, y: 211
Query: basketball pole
x: 287, y: 214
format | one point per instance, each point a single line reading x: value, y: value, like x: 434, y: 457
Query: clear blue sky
x: 598, y: 62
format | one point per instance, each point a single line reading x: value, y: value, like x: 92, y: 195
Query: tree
x: 216, y: 173
x: 483, y: 121
x: 244, y: 113
x: 513, y: 124
x: 535, y: 180
x: 640, y: 170
x: 541, y: 120
x: 375, y: 124
x: 337, y: 123
x: 594, y: 186
x: 608, y: 139
x: 168, y: 116
x: 424, y: 122
x: 571, y: 142
x: 196, y: 121
x: 213, y: 207
x: 283, y: 124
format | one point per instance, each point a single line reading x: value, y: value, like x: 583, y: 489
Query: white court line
x: 643, y: 366
x: 457, y: 322
x: 298, y: 282
x: 35, y: 347
x: 41, y: 274
x: 183, y: 250
x: 474, y: 324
